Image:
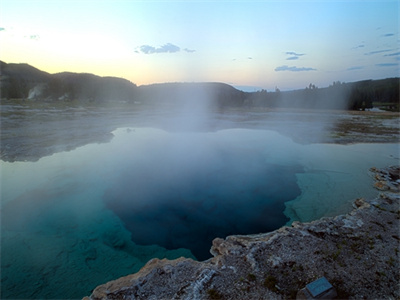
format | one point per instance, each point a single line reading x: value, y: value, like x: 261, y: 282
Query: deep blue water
x: 244, y: 195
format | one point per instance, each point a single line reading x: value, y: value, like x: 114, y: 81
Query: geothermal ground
x: 32, y: 130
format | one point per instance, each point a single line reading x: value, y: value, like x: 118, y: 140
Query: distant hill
x: 18, y: 79
x: 22, y: 81
x: 193, y: 95
x: 23, y: 71
x: 26, y: 82
x: 82, y: 86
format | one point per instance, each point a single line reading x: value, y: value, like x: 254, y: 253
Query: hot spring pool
x: 77, y: 219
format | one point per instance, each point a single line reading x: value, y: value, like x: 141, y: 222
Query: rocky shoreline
x: 358, y: 253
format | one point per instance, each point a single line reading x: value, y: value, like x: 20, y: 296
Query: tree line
x: 21, y: 81
x: 359, y: 95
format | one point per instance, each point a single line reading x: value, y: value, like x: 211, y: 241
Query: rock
x: 387, y: 179
x: 381, y: 185
x: 357, y: 253
x: 394, y: 173
x: 360, y: 203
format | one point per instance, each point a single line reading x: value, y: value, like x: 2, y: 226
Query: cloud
x: 376, y: 52
x: 147, y: 49
x: 189, y: 50
x: 293, y: 69
x: 167, y: 48
x: 392, y: 54
x: 388, y: 34
x: 294, y: 53
x: 242, y: 58
x: 34, y: 37
x: 387, y: 65
x: 354, y: 68
x: 359, y: 46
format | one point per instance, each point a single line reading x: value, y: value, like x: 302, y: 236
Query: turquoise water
x: 77, y: 219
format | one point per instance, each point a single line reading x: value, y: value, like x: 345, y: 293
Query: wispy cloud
x: 392, y: 54
x: 34, y: 37
x: 377, y: 52
x: 388, y: 34
x: 242, y: 58
x: 387, y: 65
x: 359, y: 46
x: 167, y: 48
x: 293, y: 69
x: 354, y: 68
x: 294, y: 53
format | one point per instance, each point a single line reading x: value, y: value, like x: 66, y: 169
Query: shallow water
x: 80, y: 218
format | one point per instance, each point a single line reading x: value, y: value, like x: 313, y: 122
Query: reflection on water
x: 80, y: 218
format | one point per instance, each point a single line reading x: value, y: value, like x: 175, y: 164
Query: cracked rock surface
x: 358, y: 253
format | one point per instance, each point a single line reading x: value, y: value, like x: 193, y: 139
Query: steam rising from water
x: 190, y: 188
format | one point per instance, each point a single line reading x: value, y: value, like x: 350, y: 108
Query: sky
x: 248, y: 44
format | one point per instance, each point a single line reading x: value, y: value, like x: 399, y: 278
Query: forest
x: 358, y: 95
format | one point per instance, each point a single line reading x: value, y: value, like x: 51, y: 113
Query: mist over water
x: 190, y: 188
x: 77, y: 219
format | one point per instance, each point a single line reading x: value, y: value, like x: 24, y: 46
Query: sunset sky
x: 259, y: 44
